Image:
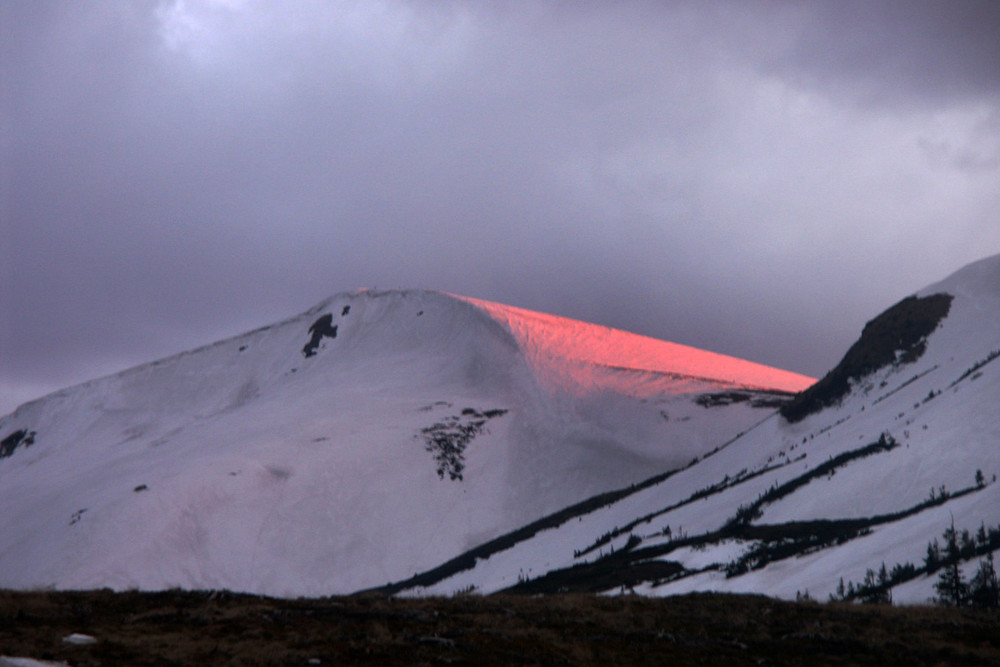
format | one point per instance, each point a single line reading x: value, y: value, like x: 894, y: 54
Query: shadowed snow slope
x: 367, y: 439
x: 905, y: 440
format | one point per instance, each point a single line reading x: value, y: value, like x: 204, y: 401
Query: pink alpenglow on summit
x: 561, y: 347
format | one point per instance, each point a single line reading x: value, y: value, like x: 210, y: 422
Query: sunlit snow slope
x: 363, y: 441
x: 901, y: 439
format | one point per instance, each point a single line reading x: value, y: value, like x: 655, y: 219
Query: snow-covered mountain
x: 370, y: 438
x: 866, y: 469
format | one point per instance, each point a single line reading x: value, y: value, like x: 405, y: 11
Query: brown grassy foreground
x: 178, y: 628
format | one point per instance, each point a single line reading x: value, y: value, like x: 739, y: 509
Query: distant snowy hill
x: 846, y: 492
x: 372, y: 437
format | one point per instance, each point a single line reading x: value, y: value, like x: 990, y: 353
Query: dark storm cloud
x: 892, y: 52
x: 757, y: 179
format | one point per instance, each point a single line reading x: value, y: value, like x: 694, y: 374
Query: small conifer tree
x: 933, y: 558
x: 984, y: 589
x: 841, y: 592
x: 951, y: 587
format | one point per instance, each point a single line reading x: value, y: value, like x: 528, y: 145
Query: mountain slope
x: 868, y: 468
x: 371, y: 437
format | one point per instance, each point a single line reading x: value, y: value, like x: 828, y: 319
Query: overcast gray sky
x: 753, y: 178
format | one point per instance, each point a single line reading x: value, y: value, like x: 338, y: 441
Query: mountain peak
x: 284, y: 460
x: 980, y: 279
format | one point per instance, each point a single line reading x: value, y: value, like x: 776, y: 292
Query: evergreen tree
x: 933, y: 558
x: 866, y: 592
x: 885, y: 595
x: 967, y: 545
x: 902, y: 572
x: 841, y: 593
x: 951, y: 587
x: 984, y: 589
x: 875, y: 587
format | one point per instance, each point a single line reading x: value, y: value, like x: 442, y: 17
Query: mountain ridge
x: 864, y: 484
x: 494, y: 458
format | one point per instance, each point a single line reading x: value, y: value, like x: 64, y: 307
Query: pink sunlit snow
x: 563, y: 346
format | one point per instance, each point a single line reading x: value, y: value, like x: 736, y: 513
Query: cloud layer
x: 757, y: 180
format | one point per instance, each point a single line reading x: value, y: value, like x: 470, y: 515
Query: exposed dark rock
x: 448, y: 439
x: 15, y: 440
x: 757, y: 399
x: 320, y: 329
x: 897, y: 336
x: 722, y: 398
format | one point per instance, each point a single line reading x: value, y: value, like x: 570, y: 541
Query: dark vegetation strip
x: 747, y: 513
x: 467, y: 560
x: 876, y: 587
x: 781, y: 541
x: 603, y: 575
x: 976, y: 366
x: 711, y: 490
x: 778, y: 541
x: 905, y: 384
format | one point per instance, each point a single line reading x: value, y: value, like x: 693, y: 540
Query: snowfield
x: 423, y: 443
x: 788, y: 508
x: 368, y: 439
